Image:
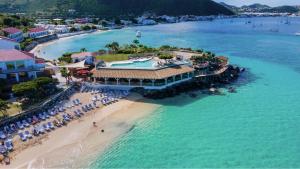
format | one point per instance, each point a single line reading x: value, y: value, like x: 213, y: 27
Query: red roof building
x: 12, y: 30
x: 13, y: 55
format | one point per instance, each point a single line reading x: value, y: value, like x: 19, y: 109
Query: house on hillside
x: 13, y: 33
x: 18, y: 66
x: 6, y: 43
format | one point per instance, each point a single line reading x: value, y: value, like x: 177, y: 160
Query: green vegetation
x: 65, y: 58
x: 115, y: 8
x: 35, y: 90
x: 165, y: 56
x: 86, y: 28
x: 22, y: 23
x: 3, y: 107
x: 64, y: 73
x: 113, y: 57
x: 26, y: 42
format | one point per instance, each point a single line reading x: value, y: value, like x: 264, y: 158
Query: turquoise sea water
x: 257, y: 127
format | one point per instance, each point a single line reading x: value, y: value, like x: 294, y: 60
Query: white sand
x: 80, y: 142
x: 39, y: 47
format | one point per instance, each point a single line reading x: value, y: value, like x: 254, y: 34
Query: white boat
x: 138, y: 34
x: 297, y: 34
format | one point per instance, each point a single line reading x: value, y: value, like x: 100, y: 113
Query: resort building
x: 156, y: 78
x: 13, y: 33
x: 6, y: 43
x: 87, y: 56
x: 17, y: 66
x: 37, y: 32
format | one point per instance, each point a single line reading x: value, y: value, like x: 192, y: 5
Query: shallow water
x: 256, y: 127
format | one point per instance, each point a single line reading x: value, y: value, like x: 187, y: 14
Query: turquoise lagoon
x: 257, y: 127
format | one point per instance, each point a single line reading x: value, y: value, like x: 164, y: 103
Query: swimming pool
x: 136, y: 64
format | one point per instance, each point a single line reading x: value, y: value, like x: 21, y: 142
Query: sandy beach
x: 78, y: 143
x: 38, y: 48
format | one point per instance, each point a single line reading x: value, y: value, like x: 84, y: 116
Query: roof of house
x: 37, y: 29
x: 142, y: 73
x: 11, y: 30
x: 7, y: 39
x: 13, y: 55
x: 81, y: 55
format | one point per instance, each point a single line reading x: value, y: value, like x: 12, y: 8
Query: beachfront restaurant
x: 147, y: 78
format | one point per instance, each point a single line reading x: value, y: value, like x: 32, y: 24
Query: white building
x: 37, y: 32
x: 6, y: 43
x: 18, y: 66
x: 14, y: 33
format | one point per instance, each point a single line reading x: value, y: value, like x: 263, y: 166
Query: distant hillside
x: 114, y: 7
x: 262, y: 8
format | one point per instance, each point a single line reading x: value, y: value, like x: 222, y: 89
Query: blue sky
x: 267, y: 2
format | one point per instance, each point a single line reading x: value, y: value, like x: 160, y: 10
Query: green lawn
x: 113, y: 57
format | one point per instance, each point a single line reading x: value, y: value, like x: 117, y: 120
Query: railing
x: 37, y: 108
x: 25, y: 69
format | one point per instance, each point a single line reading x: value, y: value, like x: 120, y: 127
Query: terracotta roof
x: 13, y: 55
x: 142, y: 73
x: 37, y: 29
x: 12, y: 30
x: 81, y: 55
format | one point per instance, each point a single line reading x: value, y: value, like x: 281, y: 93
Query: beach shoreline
x: 36, y: 49
x: 80, y: 143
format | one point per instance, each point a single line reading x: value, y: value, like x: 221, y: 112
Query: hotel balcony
x: 24, y: 69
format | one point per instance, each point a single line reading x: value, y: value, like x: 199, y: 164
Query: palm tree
x: 64, y: 73
x: 136, y: 41
x: 114, y: 46
x: 83, y: 50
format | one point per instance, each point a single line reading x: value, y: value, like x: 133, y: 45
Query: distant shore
x: 79, y: 143
x: 36, y: 49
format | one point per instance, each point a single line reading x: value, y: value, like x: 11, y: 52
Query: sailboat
x: 138, y: 34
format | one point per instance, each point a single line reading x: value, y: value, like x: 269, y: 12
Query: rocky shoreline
x: 209, y: 85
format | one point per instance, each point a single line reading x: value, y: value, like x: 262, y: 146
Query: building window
x: 20, y: 64
x: 10, y: 65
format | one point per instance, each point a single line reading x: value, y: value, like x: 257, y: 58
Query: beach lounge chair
x: 45, y: 126
x: 41, y: 129
x: 50, y: 125
x: 2, y: 149
x: 78, y: 101
x: 35, y: 131
x: 42, y: 117
x: 8, y: 145
x: 25, y: 123
x: 22, y: 136
x: 84, y: 109
x: 20, y: 125
x: 45, y: 114
x: 2, y: 135
x: 80, y: 112
x: 77, y: 114
x: 27, y: 134
x: 35, y: 119
x: 29, y: 120
x: 65, y: 117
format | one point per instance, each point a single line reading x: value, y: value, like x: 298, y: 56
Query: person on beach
x: 94, y: 124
